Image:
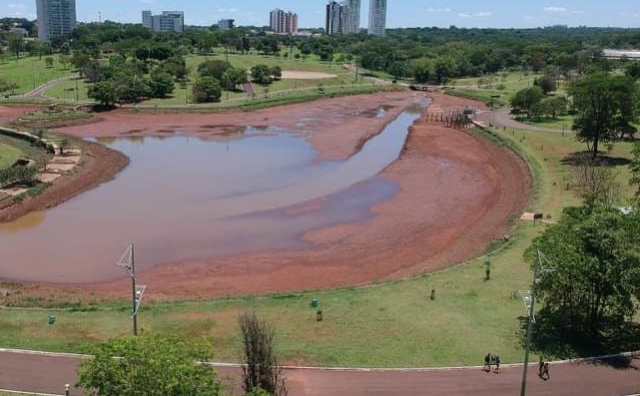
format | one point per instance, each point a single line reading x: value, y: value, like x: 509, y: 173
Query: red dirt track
x: 457, y: 194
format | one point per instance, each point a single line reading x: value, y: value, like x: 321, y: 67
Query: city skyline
x: 405, y: 13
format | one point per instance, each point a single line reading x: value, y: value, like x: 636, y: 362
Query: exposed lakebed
x: 185, y: 198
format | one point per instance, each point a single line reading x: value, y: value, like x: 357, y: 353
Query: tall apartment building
x: 226, y: 24
x: 168, y: 21
x: 335, y: 18
x: 283, y: 22
x: 378, y: 17
x: 56, y: 18
x: 351, y: 15
x: 343, y: 18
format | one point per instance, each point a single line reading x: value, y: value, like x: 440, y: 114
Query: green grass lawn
x: 8, y: 155
x: 181, y: 96
x: 387, y: 325
x: 30, y: 72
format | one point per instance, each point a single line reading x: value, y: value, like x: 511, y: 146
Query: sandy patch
x: 304, y: 75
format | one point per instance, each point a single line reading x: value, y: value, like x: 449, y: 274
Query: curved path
x: 502, y: 118
x: 48, y: 374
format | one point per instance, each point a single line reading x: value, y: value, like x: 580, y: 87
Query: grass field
x: 30, y: 72
x: 66, y: 90
x: 8, y: 155
x: 387, y: 325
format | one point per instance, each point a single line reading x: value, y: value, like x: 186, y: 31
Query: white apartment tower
x: 282, y: 22
x: 351, y: 16
x: 378, y: 17
x: 56, y: 18
x: 168, y: 21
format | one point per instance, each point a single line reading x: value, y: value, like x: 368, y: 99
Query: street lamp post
x: 127, y: 261
x: 529, y: 299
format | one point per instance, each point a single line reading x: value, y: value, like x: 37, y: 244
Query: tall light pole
x: 529, y: 299
x: 128, y: 262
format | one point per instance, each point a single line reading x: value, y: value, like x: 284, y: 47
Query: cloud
x: 438, y: 10
x: 481, y: 14
x: 561, y: 10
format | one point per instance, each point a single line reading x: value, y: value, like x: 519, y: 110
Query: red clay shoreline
x: 458, y: 193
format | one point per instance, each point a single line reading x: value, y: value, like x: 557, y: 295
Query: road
x: 49, y: 374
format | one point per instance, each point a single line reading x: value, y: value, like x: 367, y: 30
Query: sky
x: 401, y: 13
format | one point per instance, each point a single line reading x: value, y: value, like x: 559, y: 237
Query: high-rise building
x: 226, y: 24
x: 168, y: 21
x: 378, y: 17
x: 283, y: 22
x: 335, y: 18
x: 343, y: 18
x: 56, y: 18
x: 351, y: 16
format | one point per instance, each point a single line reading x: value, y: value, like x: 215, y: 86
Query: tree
x: 261, y: 74
x: 161, y: 84
x: 261, y: 371
x: 422, y: 70
x: 150, y: 366
x: 398, y: 70
x: 553, y: 107
x: 7, y: 87
x: 634, y: 166
x: 104, y: 92
x: 444, y: 68
x: 48, y: 62
x: 276, y: 73
x: 547, y: 83
x: 213, y: 68
x: 633, y: 70
x: 206, y: 90
x: 605, y: 106
x: 233, y: 77
x: 596, y: 183
x: 527, y: 101
x: 592, y: 268
x: 16, y: 44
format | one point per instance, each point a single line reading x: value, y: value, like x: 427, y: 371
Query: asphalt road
x: 44, y: 374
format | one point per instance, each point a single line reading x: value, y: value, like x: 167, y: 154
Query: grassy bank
x: 31, y: 72
x: 9, y: 154
x: 388, y: 325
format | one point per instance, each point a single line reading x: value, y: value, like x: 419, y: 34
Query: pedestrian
x: 540, y: 367
x: 496, y: 361
x: 545, y: 372
x: 487, y: 362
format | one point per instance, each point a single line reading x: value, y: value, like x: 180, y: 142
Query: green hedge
x: 18, y: 175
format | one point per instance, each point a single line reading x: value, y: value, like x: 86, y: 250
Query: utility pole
x: 127, y: 261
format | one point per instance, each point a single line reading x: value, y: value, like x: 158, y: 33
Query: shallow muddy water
x: 184, y: 198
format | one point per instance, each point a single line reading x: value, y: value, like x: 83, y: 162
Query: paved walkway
x: 502, y: 118
x: 45, y: 374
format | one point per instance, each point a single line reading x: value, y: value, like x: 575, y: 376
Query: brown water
x: 184, y: 198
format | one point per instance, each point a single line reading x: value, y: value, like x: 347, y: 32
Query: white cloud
x: 438, y: 10
x: 481, y: 14
x: 555, y: 10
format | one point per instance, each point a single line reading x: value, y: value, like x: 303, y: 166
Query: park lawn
x: 66, y: 90
x: 561, y: 123
x: 31, y: 72
x: 8, y: 155
x: 386, y: 325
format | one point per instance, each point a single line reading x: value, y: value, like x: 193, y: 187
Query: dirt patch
x: 305, y: 75
x: 98, y: 165
x: 9, y: 114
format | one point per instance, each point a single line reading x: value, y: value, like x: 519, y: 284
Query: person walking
x: 545, y: 372
x: 487, y: 362
x: 540, y: 367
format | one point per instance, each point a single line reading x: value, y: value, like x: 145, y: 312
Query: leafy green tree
x: 16, y: 45
x: 261, y: 74
x: 150, y: 366
x: 131, y: 88
x: 605, y: 106
x: 399, y: 70
x: 206, y: 90
x: 161, y: 84
x: 633, y: 70
x: 554, y: 106
x: 276, y: 73
x: 48, y: 62
x: 234, y: 77
x: 7, y: 87
x: 422, y: 70
x: 547, y: 83
x: 634, y: 166
x: 213, y: 68
x: 592, y: 268
x: 104, y: 92
x: 527, y: 101
x: 444, y: 68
